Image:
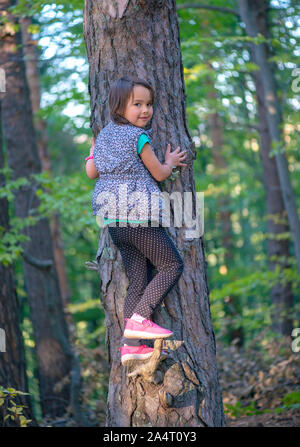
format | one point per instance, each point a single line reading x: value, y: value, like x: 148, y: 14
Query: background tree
x: 232, y: 305
x: 32, y: 74
x: 248, y: 11
x: 12, y: 361
x: 277, y: 226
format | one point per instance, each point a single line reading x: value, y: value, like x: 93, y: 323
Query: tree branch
x: 213, y: 8
x: 38, y: 263
x: 91, y: 265
x: 148, y: 369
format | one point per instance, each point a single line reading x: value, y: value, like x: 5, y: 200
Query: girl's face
x: 139, y: 110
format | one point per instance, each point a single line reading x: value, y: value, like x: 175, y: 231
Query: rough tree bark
x: 142, y: 39
x: 50, y: 331
x: 12, y: 361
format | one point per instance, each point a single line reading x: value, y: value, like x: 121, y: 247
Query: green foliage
x: 88, y: 311
x: 224, y: 40
x: 11, y: 238
x: 10, y: 248
x: 291, y: 400
x: 30, y: 356
x: 238, y: 410
x: 10, y: 408
x: 8, y: 189
x: 67, y: 196
x: 25, y: 8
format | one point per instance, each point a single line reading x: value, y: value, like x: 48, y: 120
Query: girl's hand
x: 175, y: 158
x: 92, y: 148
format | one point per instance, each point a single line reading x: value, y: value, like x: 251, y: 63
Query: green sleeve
x: 141, y: 141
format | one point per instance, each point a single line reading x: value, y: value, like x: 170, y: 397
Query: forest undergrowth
x: 260, y: 384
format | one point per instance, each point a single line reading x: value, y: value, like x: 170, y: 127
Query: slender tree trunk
x: 32, y: 74
x: 232, y: 306
x: 142, y: 38
x: 248, y: 11
x: 12, y: 360
x: 281, y: 295
x: 50, y: 331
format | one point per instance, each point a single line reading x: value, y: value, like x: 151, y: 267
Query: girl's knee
x: 176, y: 266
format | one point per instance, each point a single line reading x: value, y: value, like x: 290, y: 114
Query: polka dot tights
x: 142, y: 249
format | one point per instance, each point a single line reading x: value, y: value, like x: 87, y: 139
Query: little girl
x: 122, y: 156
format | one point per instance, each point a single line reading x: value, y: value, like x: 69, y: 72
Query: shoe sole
x: 127, y: 357
x: 141, y: 334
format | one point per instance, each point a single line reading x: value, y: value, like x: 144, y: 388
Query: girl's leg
x: 137, y: 269
x: 139, y: 272
x: 154, y: 244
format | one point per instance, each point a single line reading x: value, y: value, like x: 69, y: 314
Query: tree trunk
x: 53, y: 351
x: 281, y: 295
x: 12, y: 360
x: 142, y: 39
x: 32, y: 74
x: 232, y: 305
x: 248, y: 11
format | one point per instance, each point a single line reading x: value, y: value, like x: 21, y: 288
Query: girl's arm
x: 90, y: 168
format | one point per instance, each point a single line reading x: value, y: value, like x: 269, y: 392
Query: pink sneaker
x: 146, y: 329
x: 141, y: 352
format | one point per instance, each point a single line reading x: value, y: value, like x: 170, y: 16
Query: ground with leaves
x: 261, y: 384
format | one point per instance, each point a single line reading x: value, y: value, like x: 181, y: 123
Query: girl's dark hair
x: 119, y: 94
